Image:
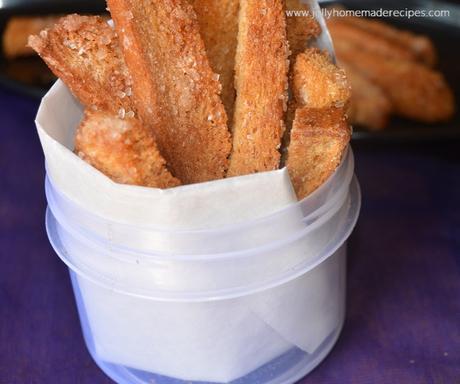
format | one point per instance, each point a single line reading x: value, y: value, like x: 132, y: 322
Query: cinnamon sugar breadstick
x: 370, y: 107
x: 343, y: 31
x: 261, y: 84
x: 421, y: 46
x: 122, y: 149
x: 175, y: 90
x: 319, y: 138
x: 84, y: 52
x: 320, y: 132
x: 416, y: 91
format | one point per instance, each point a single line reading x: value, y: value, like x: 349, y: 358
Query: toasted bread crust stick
x: 175, y: 90
x: 320, y: 131
x: 84, y: 52
x: 219, y: 28
x: 319, y: 138
x: 122, y: 149
x: 302, y: 27
x: 261, y: 83
x: 420, y: 46
x: 416, y: 92
x: 318, y: 83
x: 341, y: 30
x: 370, y: 107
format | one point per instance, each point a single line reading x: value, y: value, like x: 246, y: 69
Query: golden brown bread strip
x: 84, y: 52
x: 320, y: 131
x: 175, y: 90
x: 368, y: 41
x: 421, y: 46
x: 319, y: 138
x: 318, y: 83
x: 261, y: 85
x: 17, y: 31
x: 301, y: 26
x: 122, y: 149
x: 219, y: 28
x: 370, y: 107
x: 415, y: 91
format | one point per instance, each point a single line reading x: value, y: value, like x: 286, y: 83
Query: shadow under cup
x: 258, y: 302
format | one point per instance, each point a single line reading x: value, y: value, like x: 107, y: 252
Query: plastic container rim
x: 229, y: 293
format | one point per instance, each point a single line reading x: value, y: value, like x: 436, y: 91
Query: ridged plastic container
x: 259, y: 302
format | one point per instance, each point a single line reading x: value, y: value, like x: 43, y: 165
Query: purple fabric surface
x: 403, y: 319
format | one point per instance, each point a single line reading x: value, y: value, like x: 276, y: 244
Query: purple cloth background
x: 403, y: 319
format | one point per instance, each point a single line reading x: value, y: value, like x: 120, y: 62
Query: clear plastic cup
x: 262, y: 301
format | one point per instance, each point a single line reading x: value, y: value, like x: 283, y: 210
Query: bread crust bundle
x: 385, y: 62
x: 415, y: 91
x: 421, y: 47
x: 151, y: 87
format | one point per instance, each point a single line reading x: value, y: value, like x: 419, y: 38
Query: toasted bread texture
x: 261, y: 84
x: 301, y: 26
x: 122, y: 149
x: 219, y: 28
x: 320, y: 131
x: 174, y: 88
x: 319, y: 138
x: 370, y: 107
x: 318, y: 83
x: 84, y: 52
x: 416, y: 91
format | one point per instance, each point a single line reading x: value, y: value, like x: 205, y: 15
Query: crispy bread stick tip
x: 219, y: 28
x: 301, y: 26
x: 341, y: 30
x: 416, y: 92
x: 261, y: 85
x: 421, y: 46
x: 175, y: 90
x: 123, y: 150
x: 320, y: 132
x: 83, y: 51
x: 318, y: 82
x: 370, y: 107
x: 319, y: 138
